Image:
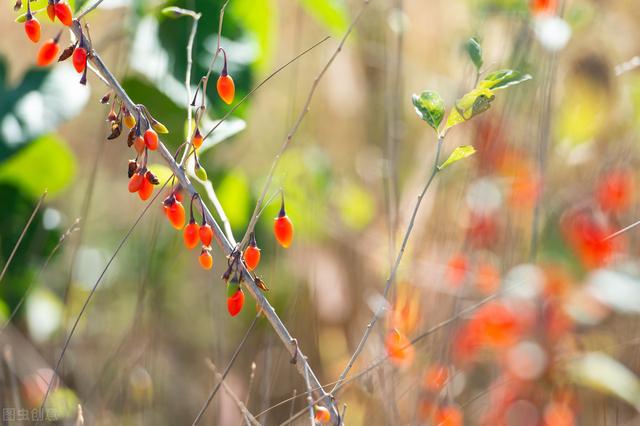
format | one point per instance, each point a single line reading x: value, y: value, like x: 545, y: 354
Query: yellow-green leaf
x: 600, y: 372
x: 502, y: 79
x: 430, y: 107
x: 473, y: 103
x: 458, y: 154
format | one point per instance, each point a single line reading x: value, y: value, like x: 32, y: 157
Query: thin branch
x: 187, y: 80
x: 309, y: 399
x: 305, y: 109
x: 22, y: 234
x: 61, y: 241
x: 394, y: 270
x: 622, y: 231
x: 220, y: 238
x: 242, y: 407
x: 226, y: 371
x: 269, y: 77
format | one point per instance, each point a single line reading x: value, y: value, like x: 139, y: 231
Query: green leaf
x: 458, y: 154
x: 46, y: 163
x: 430, y: 107
x: 600, y: 372
x: 331, y: 13
x: 473, y: 103
x: 474, y: 50
x: 503, y: 78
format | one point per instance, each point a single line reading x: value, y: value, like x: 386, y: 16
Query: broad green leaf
x: 503, y: 78
x: 458, y: 154
x: 46, y: 163
x: 474, y: 50
x: 331, y: 13
x: 430, y: 107
x: 600, y: 372
x: 473, y: 103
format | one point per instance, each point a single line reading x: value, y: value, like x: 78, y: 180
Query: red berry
x: 176, y: 215
x: 151, y: 139
x: 47, y: 53
x: 191, y: 237
x: 235, y: 302
x: 51, y: 11
x: 146, y: 189
x: 205, y: 259
x: 283, y: 228
x: 32, y: 28
x: 63, y: 13
x: 252, y: 254
x: 197, y: 139
x: 80, y: 59
x: 322, y: 415
x: 226, y: 88
x: 206, y: 234
x: 136, y: 182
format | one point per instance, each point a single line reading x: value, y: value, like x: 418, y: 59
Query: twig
x: 242, y: 407
x: 187, y: 80
x: 394, y: 270
x: 22, y: 234
x: 221, y: 240
x: 269, y: 77
x: 226, y: 371
x: 62, y: 239
x: 309, y: 399
x: 622, y: 231
x: 305, y: 109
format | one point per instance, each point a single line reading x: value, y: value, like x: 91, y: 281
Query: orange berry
x: 449, y: 416
x: 80, y: 59
x: 206, y: 234
x: 235, y: 302
x: 252, y: 254
x: 47, y: 53
x: 191, y: 237
x: 32, y: 28
x: 226, y: 88
x: 63, y: 13
x: 146, y: 189
x: 51, y: 11
x: 322, y: 414
x: 175, y: 213
x: 283, y: 228
x: 399, y: 348
x: 197, y: 139
x: 151, y: 139
x: 205, y: 259
x: 136, y: 182
x: 138, y: 144
x: 435, y: 377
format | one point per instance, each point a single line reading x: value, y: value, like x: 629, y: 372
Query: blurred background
x: 553, y: 176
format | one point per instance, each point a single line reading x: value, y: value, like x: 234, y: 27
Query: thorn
x: 294, y: 358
